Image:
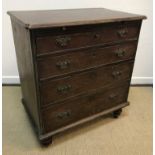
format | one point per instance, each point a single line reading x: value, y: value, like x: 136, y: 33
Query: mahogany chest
x: 74, y: 65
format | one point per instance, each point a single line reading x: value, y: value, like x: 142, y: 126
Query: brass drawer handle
x: 120, y: 53
x: 63, y: 41
x: 64, y: 114
x: 113, y: 96
x: 116, y: 74
x: 64, y: 88
x: 122, y: 33
x: 63, y: 64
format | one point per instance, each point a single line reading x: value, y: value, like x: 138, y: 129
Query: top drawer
x: 57, y: 39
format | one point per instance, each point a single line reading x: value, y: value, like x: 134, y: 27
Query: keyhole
x: 93, y: 54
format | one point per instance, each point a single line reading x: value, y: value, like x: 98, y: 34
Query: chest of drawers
x: 74, y: 65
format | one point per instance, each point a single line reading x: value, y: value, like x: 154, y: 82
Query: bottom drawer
x: 70, y: 111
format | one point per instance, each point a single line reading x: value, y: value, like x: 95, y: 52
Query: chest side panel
x: 26, y: 70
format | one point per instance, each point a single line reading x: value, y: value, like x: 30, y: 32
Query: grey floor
x: 131, y: 134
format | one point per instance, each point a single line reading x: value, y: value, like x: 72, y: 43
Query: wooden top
x: 68, y: 17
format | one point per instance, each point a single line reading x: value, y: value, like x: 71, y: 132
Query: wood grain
x: 74, y: 61
x: 26, y: 70
x: 83, y: 36
x: 68, y: 17
x: 55, y: 91
x: 67, y: 112
x: 100, y: 49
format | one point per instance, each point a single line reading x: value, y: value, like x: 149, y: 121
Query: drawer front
x: 106, y: 33
x: 75, y: 61
x: 54, y: 91
x: 73, y: 110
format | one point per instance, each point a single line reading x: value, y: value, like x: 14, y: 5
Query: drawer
x: 53, y: 91
x: 87, y: 36
x: 68, y: 62
x: 63, y: 114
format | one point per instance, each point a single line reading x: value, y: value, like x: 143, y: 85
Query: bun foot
x: 46, y: 142
x: 117, y: 113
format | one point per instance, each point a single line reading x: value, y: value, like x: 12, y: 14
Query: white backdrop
x: 144, y: 59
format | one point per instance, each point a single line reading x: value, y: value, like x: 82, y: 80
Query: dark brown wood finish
x: 26, y: 71
x: 71, y: 17
x: 88, y: 36
x: 75, y: 109
x: 74, y: 67
x: 53, y: 91
x: 68, y: 62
